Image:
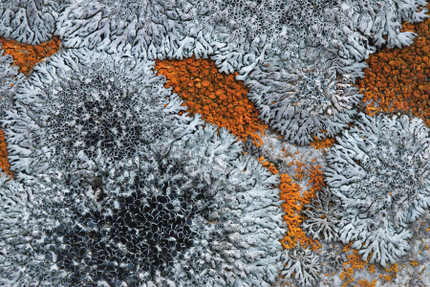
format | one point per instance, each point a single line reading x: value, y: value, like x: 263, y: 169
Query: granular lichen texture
x: 218, y: 97
x: 4, y: 164
x: 322, y: 144
x: 26, y: 56
x: 397, y: 80
x: 293, y: 206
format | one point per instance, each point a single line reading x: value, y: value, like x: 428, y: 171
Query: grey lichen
x: 379, y: 169
x: 322, y: 216
x: 85, y: 112
x: 302, y: 107
x: 303, y: 265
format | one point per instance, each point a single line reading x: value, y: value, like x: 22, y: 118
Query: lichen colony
x: 214, y: 143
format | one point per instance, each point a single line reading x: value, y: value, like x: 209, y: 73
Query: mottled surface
x: 126, y: 178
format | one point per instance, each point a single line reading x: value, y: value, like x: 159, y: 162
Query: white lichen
x: 29, y: 21
x: 379, y: 170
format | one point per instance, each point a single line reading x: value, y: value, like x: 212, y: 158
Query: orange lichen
x: 290, y: 193
x: 26, y: 56
x: 300, y: 170
x: 315, y: 183
x: 398, y: 80
x: 269, y: 165
x: 322, y: 144
x: 414, y: 263
x: 4, y: 164
x: 393, y: 268
x: 218, y: 97
x: 347, y: 247
x: 365, y: 283
x: 294, y: 203
x: 286, y: 152
x: 385, y: 277
x: 371, y: 269
x: 354, y: 263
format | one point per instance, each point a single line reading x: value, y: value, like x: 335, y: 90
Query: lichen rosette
x: 192, y: 217
x: 379, y: 169
x: 305, y: 106
x: 82, y: 112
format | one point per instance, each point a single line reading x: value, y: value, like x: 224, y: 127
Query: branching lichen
x: 379, y: 169
x: 84, y: 112
x: 197, y: 216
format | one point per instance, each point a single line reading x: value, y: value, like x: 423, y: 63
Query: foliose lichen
x: 379, y: 170
x: 85, y: 112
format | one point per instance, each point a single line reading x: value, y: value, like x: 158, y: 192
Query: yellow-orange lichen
x: 4, y: 164
x: 218, y: 97
x: 315, y: 183
x: 398, y: 80
x: 414, y: 263
x: 322, y: 144
x: 270, y: 166
x: 294, y: 203
x: 26, y: 56
x: 365, y: 283
x: 355, y: 262
x: 300, y: 170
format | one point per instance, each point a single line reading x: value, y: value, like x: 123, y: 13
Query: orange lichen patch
x: 371, y: 269
x: 365, y: 283
x: 322, y: 144
x: 218, y: 97
x: 315, y: 183
x: 414, y: 263
x: 267, y: 164
x: 295, y: 200
x: 393, y: 269
x: 27, y: 56
x: 355, y: 262
x: 294, y: 203
x: 398, y: 80
x: 347, y: 247
x: 300, y: 170
x: 4, y: 164
x: 385, y: 277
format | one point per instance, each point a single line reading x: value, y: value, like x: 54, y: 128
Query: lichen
x: 29, y: 21
x: 303, y: 107
x: 322, y: 216
x: 303, y: 265
x: 182, y: 218
x: 396, y: 79
x: 295, y: 200
x: 123, y: 177
x: 26, y: 56
x: 219, y: 98
x: 379, y: 170
x: 97, y: 111
x: 4, y: 161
